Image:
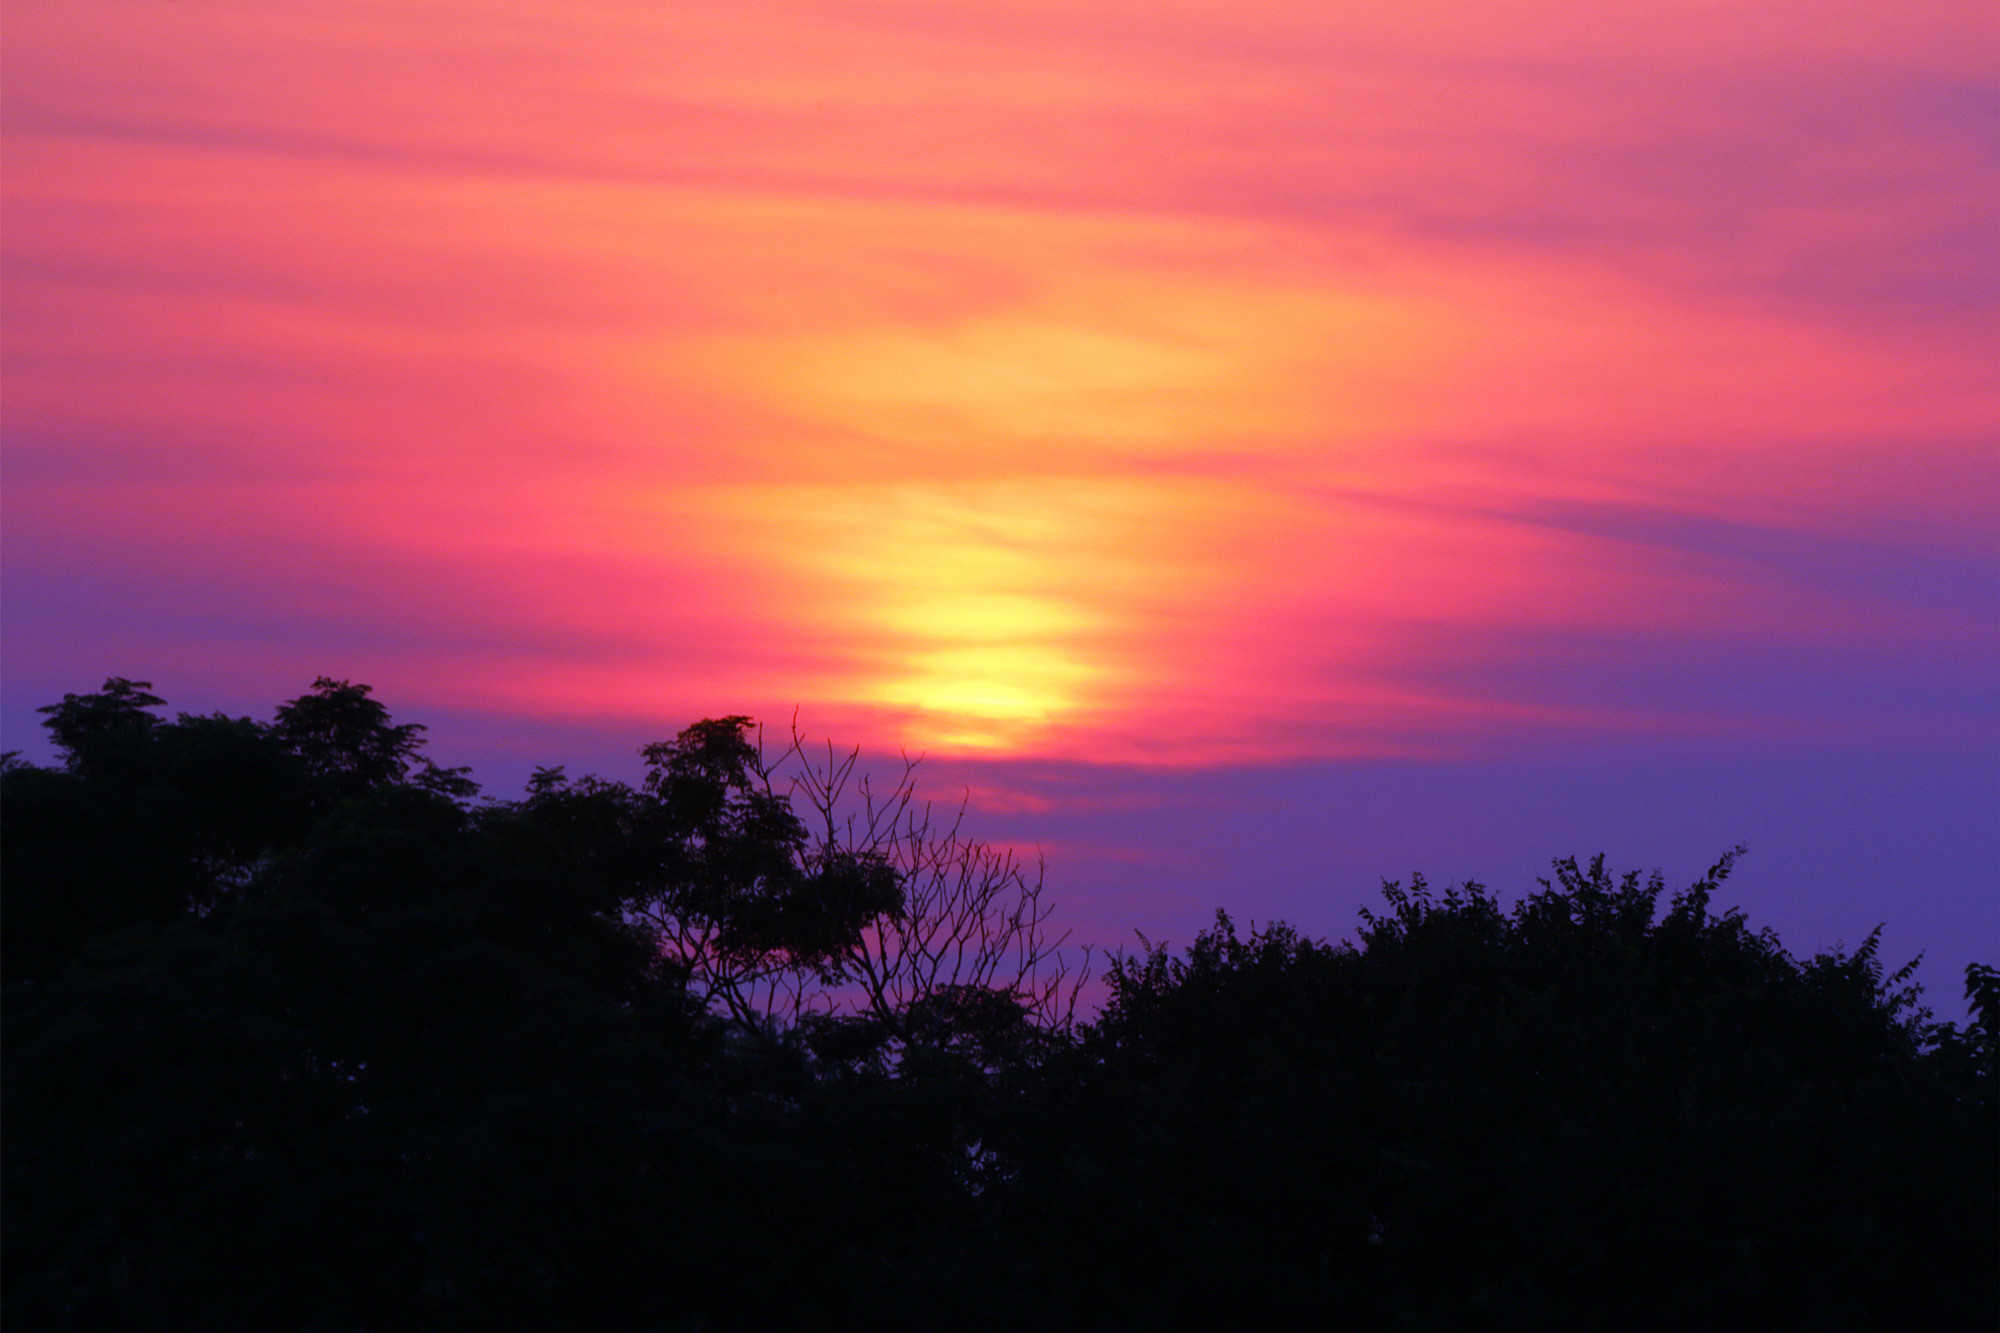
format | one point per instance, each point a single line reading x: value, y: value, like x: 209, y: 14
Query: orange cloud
x: 1139, y: 383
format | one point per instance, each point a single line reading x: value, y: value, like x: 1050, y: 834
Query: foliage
x: 300, y: 1034
x: 1578, y: 1112
x: 349, y: 747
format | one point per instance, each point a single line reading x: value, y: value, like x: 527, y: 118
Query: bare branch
x: 968, y: 916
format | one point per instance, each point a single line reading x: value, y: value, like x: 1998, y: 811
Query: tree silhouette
x: 1578, y: 1112
x: 93, y: 730
x: 350, y: 747
x: 299, y: 1035
x: 865, y: 928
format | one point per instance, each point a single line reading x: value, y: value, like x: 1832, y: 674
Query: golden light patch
x: 963, y: 533
x: 984, y: 615
x: 1092, y: 380
x: 1028, y: 378
x: 989, y: 634
x: 985, y: 695
x: 980, y: 617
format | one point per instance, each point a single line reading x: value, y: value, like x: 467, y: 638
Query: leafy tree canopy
x: 299, y: 1034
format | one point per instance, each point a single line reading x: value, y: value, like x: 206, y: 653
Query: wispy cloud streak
x: 1155, y: 384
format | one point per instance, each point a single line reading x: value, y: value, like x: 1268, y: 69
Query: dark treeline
x: 303, y: 1034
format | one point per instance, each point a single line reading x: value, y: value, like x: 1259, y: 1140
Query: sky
x: 1248, y: 451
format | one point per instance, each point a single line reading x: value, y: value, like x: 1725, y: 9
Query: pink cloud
x: 1003, y: 378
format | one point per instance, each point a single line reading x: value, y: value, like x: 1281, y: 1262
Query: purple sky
x: 1254, y: 452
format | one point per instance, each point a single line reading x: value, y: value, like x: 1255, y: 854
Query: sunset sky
x: 1252, y: 449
